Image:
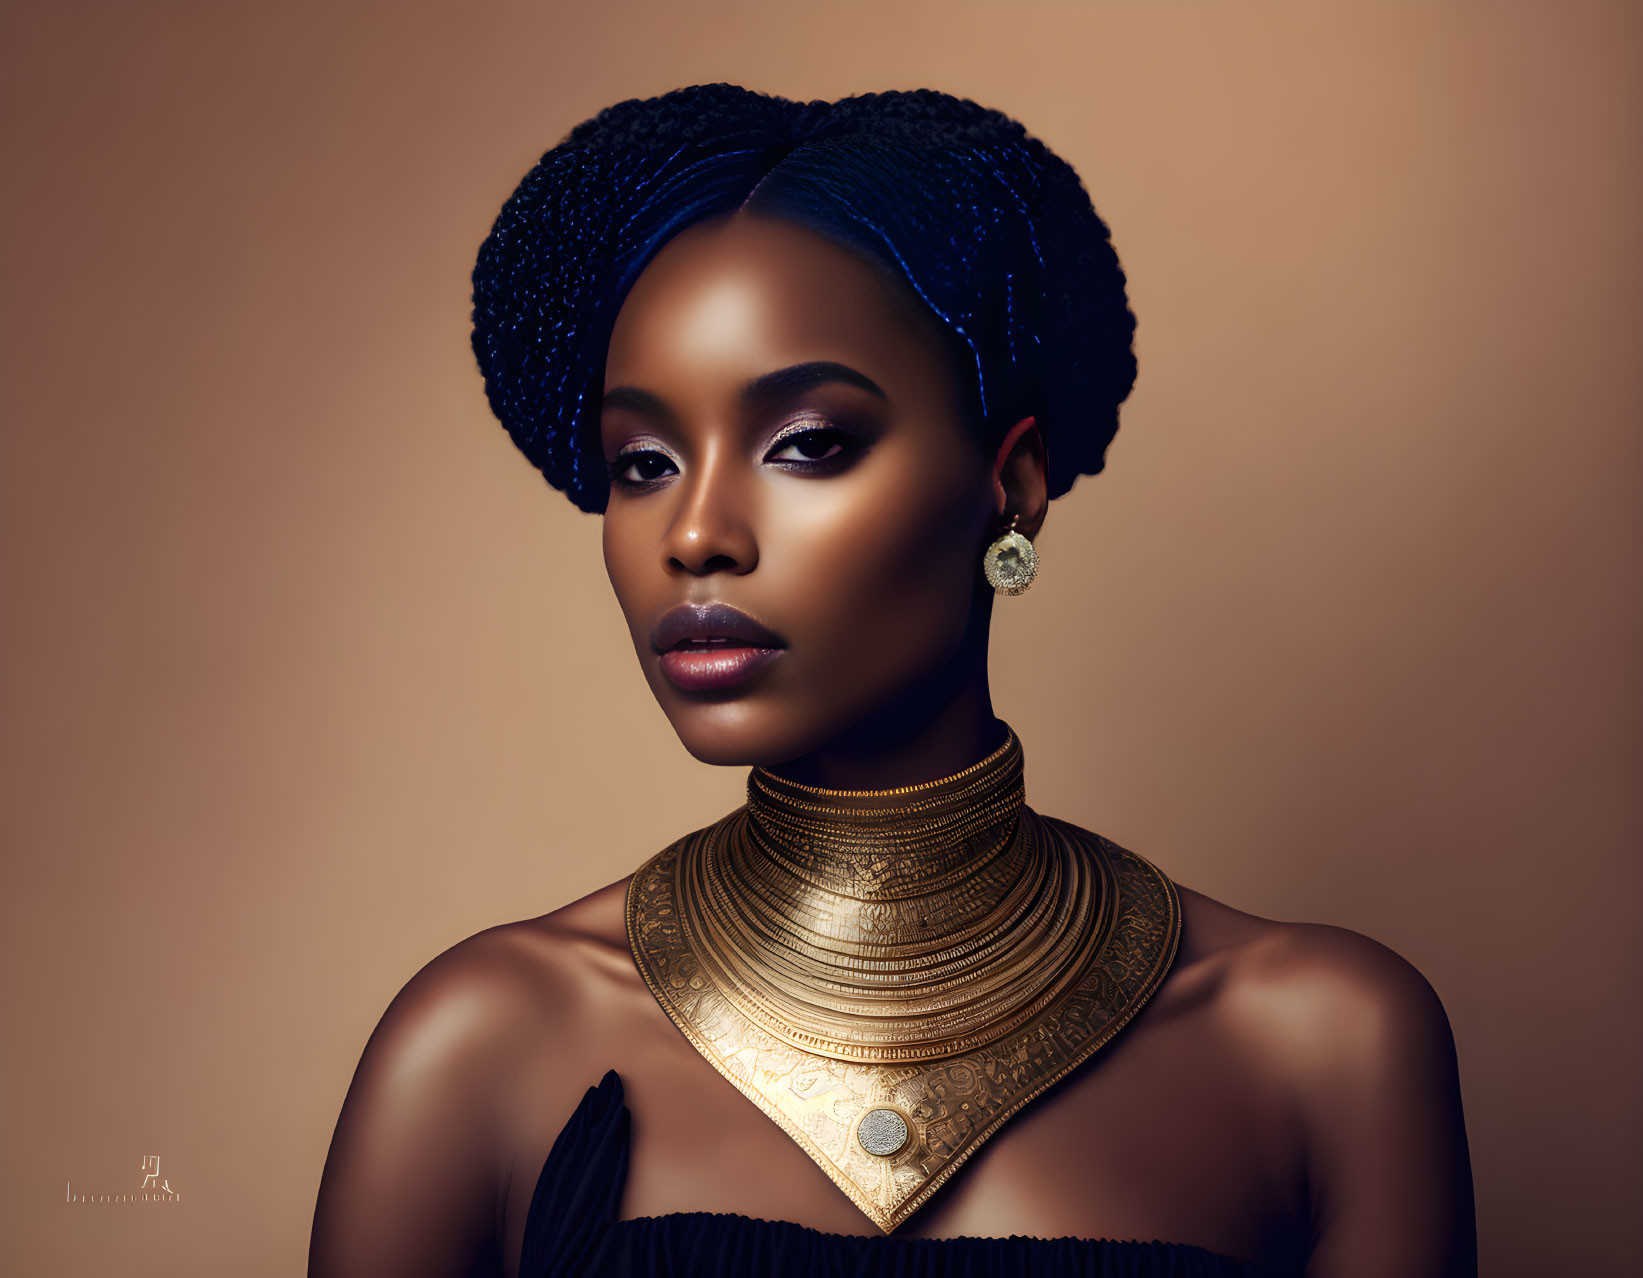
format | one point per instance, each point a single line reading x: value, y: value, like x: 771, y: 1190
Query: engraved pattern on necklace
x: 891, y: 974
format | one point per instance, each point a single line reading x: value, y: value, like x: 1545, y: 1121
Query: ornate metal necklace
x: 891, y: 974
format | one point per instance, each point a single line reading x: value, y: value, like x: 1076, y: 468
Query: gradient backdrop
x: 308, y: 675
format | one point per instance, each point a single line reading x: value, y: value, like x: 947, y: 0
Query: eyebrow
x: 773, y: 385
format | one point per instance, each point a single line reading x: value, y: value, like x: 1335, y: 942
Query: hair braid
x: 989, y: 228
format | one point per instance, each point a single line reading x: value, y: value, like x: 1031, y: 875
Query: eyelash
x: 849, y: 447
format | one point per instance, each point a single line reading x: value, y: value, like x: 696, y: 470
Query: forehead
x: 746, y: 293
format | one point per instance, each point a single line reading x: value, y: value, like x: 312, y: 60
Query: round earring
x: 1010, y: 563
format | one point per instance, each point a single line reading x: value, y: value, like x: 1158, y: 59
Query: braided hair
x: 992, y: 232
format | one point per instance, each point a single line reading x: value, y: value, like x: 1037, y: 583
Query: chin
x: 741, y: 732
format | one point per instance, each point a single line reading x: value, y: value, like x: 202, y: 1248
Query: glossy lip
x: 707, y: 669
x: 703, y: 622
x: 707, y: 646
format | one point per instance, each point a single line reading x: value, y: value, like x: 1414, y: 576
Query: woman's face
x: 785, y: 438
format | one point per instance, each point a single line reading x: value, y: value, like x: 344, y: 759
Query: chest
x: 1160, y: 1136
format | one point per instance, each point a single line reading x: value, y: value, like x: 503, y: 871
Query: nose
x: 711, y: 530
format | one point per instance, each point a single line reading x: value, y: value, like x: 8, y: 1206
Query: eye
x: 814, y: 447
x: 639, y: 466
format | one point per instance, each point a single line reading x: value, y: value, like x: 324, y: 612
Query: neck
x: 935, y: 728
x: 885, y: 858
x: 903, y: 923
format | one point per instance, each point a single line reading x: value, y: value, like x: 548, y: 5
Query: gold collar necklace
x: 891, y: 974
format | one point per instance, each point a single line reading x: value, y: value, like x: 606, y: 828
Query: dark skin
x: 1289, y: 1095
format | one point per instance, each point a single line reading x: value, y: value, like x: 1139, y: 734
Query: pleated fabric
x: 572, y: 1231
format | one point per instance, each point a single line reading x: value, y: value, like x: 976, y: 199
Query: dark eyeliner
x: 623, y: 460
x: 851, y: 447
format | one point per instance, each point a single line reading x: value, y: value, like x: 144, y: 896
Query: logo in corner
x: 153, y: 1188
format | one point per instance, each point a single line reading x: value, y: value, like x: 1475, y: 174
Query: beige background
x: 308, y: 675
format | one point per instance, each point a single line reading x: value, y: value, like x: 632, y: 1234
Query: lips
x: 711, y: 645
x: 707, y: 623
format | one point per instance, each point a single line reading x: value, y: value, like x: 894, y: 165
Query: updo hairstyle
x: 990, y: 230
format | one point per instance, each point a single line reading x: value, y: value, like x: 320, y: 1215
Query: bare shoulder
x: 590, y: 931
x: 468, y: 1010
x: 1342, y: 1024
x: 531, y: 978
x: 1352, y: 1046
x: 439, y: 1082
x: 1318, y: 998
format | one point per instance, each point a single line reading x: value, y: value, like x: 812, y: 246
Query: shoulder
x: 438, y: 1085
x: 509, y: 982
x: 455, y: 1026
x: 1354, y: 1049
x: 1325, y: 1005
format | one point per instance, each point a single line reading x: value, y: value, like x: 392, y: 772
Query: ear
x: 1021, y: 483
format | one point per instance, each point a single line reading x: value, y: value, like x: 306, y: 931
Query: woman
x: 822, y: 367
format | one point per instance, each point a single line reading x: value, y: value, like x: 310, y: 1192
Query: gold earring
x: 1010, y: 563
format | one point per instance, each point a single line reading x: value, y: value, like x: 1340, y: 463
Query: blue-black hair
x: 992, y: 231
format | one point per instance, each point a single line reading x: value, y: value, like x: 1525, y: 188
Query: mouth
x: 712, y: 645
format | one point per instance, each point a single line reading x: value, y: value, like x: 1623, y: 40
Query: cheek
x: 623, y: 541
x: 888, y: 574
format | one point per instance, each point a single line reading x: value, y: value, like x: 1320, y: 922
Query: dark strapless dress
x: 572, y: 1231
